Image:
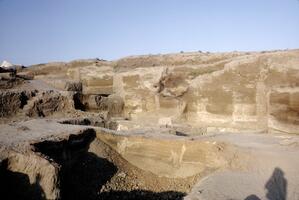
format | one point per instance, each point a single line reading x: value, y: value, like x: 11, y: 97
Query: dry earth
x: 190, y: 126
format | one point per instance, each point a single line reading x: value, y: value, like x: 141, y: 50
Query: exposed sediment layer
x: 54, y: 157
x: 152, y: 127
x: 236, y: 91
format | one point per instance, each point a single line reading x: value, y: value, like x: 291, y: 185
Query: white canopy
x: 6, y: 64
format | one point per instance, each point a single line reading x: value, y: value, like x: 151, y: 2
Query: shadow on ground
x: 16, y: 185
x: 276, y: 187
x: 141, y: 194
x: 85, y: 178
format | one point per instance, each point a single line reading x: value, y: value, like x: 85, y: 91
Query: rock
x: 12, y: 101
x: 73, y: 86
x: 165, y: 122
x: 95, y: 80
x: 122, y: 174
x: 46, y: 103
x: 172, y: 84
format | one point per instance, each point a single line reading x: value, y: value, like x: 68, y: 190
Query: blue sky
x: 37, y: 31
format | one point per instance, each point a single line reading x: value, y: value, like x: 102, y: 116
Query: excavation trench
x: 82, y: 162
x: 90, y: 168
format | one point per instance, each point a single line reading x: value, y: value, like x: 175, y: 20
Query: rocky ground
x: 177, y: 126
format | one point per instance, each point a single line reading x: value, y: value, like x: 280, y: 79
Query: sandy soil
x: 269, y: 172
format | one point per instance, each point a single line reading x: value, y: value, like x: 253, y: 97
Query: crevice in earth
x: 23, y: 99
x: 78, y: 103
x: 98, y: 122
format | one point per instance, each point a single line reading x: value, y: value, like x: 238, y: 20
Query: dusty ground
x: 177, y: 126
x: 269, y: 172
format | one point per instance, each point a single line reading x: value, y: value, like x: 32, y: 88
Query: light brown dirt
x: 177, y: 126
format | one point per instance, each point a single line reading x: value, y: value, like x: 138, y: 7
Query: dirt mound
x: 46, y: 103
x: 11, y: 101
x: 73, y: 86
x: 7, y: 82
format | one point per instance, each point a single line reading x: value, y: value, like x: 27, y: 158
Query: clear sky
x: 36, y: 31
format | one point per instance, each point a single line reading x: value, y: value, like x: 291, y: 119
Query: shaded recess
x: 78, y: 102
x: 98, y: 122
x: 85, y: 122
x: 23, y: 99
x: 81, y: 173
x: 142, y: 194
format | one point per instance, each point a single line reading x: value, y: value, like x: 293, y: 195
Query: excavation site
x: 180, y: 126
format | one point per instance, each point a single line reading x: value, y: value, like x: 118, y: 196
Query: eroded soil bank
x: 195, y: 125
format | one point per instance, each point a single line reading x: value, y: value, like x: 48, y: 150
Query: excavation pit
x: 91, y: 169
x: 89, y: 162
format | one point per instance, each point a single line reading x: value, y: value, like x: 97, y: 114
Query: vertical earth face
x: 175, y: 126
